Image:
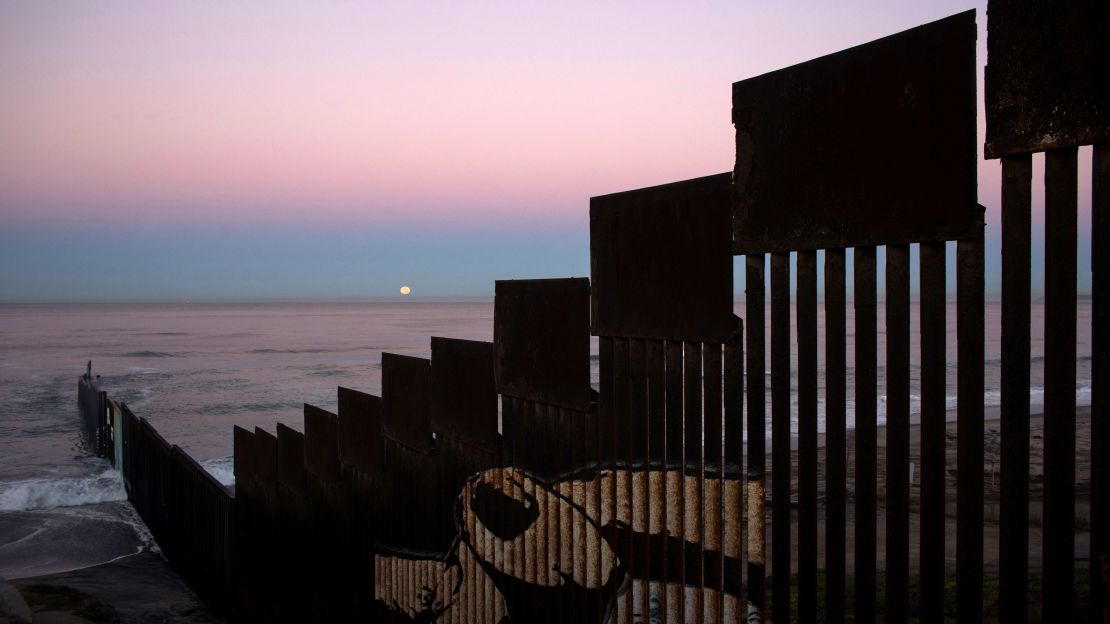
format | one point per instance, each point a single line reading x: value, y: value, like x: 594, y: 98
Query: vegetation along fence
x: 493, y: 483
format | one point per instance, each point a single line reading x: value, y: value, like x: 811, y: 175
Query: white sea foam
x: 223, y: 468
x: 66, y: 492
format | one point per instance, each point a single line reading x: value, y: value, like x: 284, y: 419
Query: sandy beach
x: 991, y: 465
x: 91, y: 564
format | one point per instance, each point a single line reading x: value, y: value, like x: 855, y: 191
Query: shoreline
x: 140, y: 587
x: 991, y: 455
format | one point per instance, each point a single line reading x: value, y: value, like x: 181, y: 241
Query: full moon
x: 405, y: 290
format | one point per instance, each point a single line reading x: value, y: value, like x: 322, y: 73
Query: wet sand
x: 991, y: 486
x: 93, y: 562
x: 139, y: 588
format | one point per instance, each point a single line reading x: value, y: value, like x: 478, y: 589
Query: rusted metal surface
x: 806, y: 303
x: 1045, y: 77
x: 622, y: 439
x: 290, y: 466
x: 324, y: 511
x: 326, y: 544
x: 661, y: 261
x: 562, y: 494
x: 655, y: 465
x: 1061, y: 235
x: 781, y: 468
x: 674, y: 477
x: 596, y: 574
x: 242, y: 458
x: 514, y: 547
x: 970, y: 332
x: 360, y: 453
x: 933, y: 475
x: 323, y: 543
x: 637, y: 463
x: 1013, y: 574
x: 733, y: 512
x: 463, y: 397
x: 541, y: 340
x: 813, y: 164
x: 693, y: 520
x: 291, y: 525
x: 607, y: 458
x: 576, y: 486
x: 321, y: 453
x: 265, y: 457
x: 360, y: 443
x: 406, y: 416
x: 836, y: 439
x: 264, y: 503
x: 754, y: 298
x: 246, y: 522
x: 552, y: 562
x: 712, y: 454
x: 1100, y: 385
x: 866, y: 371
x: 897, y: 432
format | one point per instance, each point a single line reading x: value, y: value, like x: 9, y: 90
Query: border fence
x: 492, y: 483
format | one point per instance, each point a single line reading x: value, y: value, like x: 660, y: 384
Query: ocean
x: 195, y: 369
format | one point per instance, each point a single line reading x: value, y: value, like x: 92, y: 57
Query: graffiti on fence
x: 498, y: 517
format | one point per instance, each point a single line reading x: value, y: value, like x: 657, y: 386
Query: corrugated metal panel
x: 661, y: 261
x: 541, y: 337
x: 406, y: 417
x: 464, y: 399
x: 870, y: 145
x: 1046, y: 75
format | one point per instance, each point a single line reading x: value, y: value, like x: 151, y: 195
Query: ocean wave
x: 293, y: 351
x: 328, y: 372
x: 225, y: 409
x: 222, y: 468
x: 32, y: 494
x: 148, y: 354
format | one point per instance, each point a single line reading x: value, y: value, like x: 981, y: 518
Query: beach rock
x: 12, y: 605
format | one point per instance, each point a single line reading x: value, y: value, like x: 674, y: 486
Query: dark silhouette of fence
x: 1047, y: 91
x: 635, y: 502
x: 913, y: 92
x: 96, y: 426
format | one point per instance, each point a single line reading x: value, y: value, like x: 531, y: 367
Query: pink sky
x: 395, y: 111
x: 451, y: 121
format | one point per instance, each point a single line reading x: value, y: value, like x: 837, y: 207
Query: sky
x: 342, y: 149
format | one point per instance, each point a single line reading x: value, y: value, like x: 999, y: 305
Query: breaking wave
x: 222, y: 468
x: 33, y: 494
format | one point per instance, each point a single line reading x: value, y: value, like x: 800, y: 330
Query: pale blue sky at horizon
x: 204, y: 151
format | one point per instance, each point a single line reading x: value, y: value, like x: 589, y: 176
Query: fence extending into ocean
x: 492, y: 483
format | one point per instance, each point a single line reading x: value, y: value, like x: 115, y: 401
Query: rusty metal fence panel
x: 92, y: 403
x: 1046, y: 91
x: 555, y: 565
x: 360, y: 465
x: 843, y: 190
x: 670, y: 378
x: 1045, y: 75
x: 660, y: 261
x: 888, y: 130
x: 551, y: 363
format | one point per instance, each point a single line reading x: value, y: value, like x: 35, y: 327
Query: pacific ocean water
x: 195, y: 369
